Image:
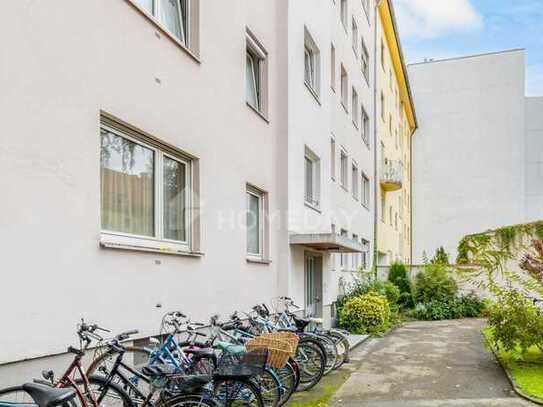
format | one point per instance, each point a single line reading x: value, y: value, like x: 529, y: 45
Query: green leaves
x: 366, y: 314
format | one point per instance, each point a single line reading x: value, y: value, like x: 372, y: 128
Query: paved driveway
x: 428, y: 364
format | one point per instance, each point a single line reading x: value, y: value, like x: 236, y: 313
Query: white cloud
x: 432, y: 18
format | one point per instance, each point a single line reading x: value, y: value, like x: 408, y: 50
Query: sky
x: 449, y: 28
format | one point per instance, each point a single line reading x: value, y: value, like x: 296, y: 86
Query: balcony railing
x: 391, y: 175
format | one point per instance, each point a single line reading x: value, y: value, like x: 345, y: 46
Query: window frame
x: 312, y: 54
x: 130, y: 241
x: 332, y: 67
x: 355, y: 175
x: 333, y: 158
x: 364, y: 60
x: 354, y: 36
x: 344, y: 168
x: 365, y: 190
x: 344, y: 13
x: 344, y: 82
x: 257, y: 53
x: 260, y: 195
x: 365, y: 126
x: 354, y: 107
x: 314, y: 200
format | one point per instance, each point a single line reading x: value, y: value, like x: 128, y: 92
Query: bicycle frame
x: 67, y: 381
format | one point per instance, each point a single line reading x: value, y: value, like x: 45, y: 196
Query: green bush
x: 384, y: 288
x: 434, y: 284
x: 466, y: 306
x: 366, y: 314
x: 397, y: 275
x: 440, y: 257
x: 516, y: 323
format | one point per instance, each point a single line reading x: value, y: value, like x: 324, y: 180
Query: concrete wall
x: 533, y: 147
x: 57, y: 73
x: 468, y: 170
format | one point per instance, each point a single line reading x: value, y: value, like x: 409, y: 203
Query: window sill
x: 311, y: 206
x: 344, y: 188
x: 257, y: 260
x: 164, y: 31
x: 344, y: 107
x: 355, y: 124
x: 122, y: 242
x: 313, y: 93
x: 366, y: 206
x: 258, y: 112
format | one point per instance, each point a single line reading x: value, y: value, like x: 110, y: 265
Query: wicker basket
x: 278, y: 350
x: 289, y: 337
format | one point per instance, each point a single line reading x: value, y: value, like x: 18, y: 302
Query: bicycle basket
x: 251, y: 363
x: 278, y: 350
x: 289, y: 337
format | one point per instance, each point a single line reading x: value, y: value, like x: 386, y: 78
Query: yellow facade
x: 395, y: 125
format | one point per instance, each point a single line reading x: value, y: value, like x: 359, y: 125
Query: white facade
x: 65, y: 66
x: 469, y: 150
x: 119, y: 69
x: 321, y: 124
x: 533, y: 147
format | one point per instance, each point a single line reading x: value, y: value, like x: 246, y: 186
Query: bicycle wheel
x: 330, y: 351
x: 134, y: 357
x: 269, y: 386
x: 342, y: 345
x: 234, y: 392
x: 105, y: 393
x: 190, y: 401
x: 288, y: 382
x: 312, y: 362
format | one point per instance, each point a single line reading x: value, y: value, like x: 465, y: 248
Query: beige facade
x: 395, y: 123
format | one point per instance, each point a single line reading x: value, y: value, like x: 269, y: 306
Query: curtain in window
x: 251, y: 80
x: 174, y: 174
x: 147, y: 5
x: 172, y: 13
x: 127, y: 186
x: 253, y: 224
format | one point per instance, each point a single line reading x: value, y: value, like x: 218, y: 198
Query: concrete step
x: 355, y: 340
x: 495, y: 402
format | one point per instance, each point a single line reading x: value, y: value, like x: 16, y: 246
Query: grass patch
x: 320, y: 395
x: 527, y: 373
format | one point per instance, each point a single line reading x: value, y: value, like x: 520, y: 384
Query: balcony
x: 391, y: 175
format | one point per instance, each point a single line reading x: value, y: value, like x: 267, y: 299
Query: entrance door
x: 313, y: 285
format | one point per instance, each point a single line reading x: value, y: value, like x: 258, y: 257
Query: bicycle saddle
x: 46, y: 396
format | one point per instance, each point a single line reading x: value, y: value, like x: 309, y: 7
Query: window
x: 344, y: 169
x: 177, y: 17
x: 366, y: 6
x: 312, y: 178
x: 355, y: 257
x: 354, y: 38
x: 365, y: 254
x: 382, y: 54
x: 145, y: 191
x: 344, y: 13
x: 390, y: 74
x: 390, y: 125
x: 382, y: 106
x: 365, y: 61
x: 256, y: 223
x: 365, y: 126
x: 396, y: 220
x: 256, y: 72
x: 354, y: 104
x: 333, y: 158
x: 383, y: 206
x: 343, y: 258
x: 344, y: 88
x: 390, y: 215
x: 333, y: 67
x: 355, y: 181
x: 311, y: 64
x: 365, y: 191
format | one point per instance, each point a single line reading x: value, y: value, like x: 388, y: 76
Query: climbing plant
x: 490, y: 254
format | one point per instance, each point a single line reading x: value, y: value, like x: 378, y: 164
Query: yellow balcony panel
x: 391, y: 177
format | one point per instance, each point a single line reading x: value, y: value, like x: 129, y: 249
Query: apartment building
x: 330, y: 148
x: 142, y: 152
x: 171, y: 154
x: 395, y: 124
x: 477, y: 152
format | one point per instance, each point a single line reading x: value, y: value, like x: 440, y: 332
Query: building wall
x: 58, y: 73
x: 313, y: 121
x: 533, y: 150
x: 394, y: 144
x: 468, y: 150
